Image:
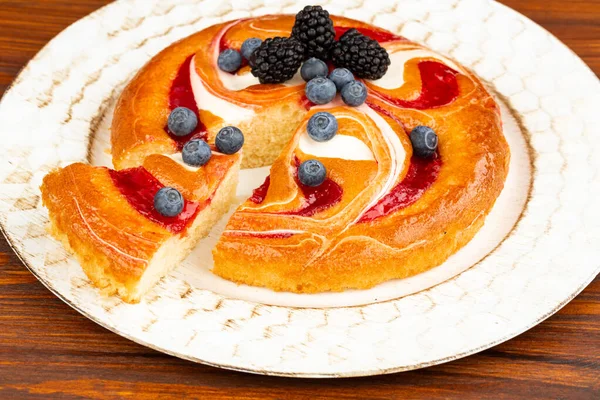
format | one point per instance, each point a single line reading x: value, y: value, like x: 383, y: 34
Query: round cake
x: 382, y: 166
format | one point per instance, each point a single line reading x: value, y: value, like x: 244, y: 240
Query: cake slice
x: 107, y: 218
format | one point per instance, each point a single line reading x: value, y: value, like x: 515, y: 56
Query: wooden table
x: 48, y: 350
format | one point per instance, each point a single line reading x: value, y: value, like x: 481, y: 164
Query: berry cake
x: 385, y: 159
x: 108, y: 218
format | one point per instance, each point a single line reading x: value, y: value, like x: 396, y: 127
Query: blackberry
x: 277, y: 60
x: 314, y: 29
x: 361, y: 55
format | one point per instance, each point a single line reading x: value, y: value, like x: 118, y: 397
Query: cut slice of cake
x: 108, y: 220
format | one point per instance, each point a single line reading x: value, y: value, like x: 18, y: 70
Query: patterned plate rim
x: 522, y: 328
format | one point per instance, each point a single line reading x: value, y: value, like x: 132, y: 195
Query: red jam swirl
x: 439, y: 87
x: 386, y: 112
x: 182, y: 95
x: 376, y: 34
x: 259, y: 194
x: 316, y: 199
x: 306, y: 103
x: 422, y: 173
x: 139, y: 187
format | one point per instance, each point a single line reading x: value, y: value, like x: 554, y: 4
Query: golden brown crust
x: 112, y: 240
x: 114, y: 243
x: 339, y: 254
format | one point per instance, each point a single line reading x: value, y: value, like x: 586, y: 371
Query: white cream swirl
x: 345, y: 147
x: 235, y: 82
x: 396, y: 151
x: 205, y: 100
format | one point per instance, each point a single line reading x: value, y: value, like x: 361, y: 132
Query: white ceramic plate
x: 59, y: 109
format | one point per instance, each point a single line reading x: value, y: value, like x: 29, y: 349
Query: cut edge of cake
x: 101, y: 269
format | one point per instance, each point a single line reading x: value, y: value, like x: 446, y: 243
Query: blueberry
x: 322, y: 126
x: 320, y: 90
x: 354, y: 93
x: 249, y: 46
x: 168, y: 202
x: 424, y: 141
x: 312, y: 68
x: 229, y: 140
x: 341, y: 76
x: 182, y: 121
x: 312, y: 173
x: 230, y: 60
x: 196, y: 153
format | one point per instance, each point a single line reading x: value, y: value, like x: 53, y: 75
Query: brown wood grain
x: 48, y: 350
